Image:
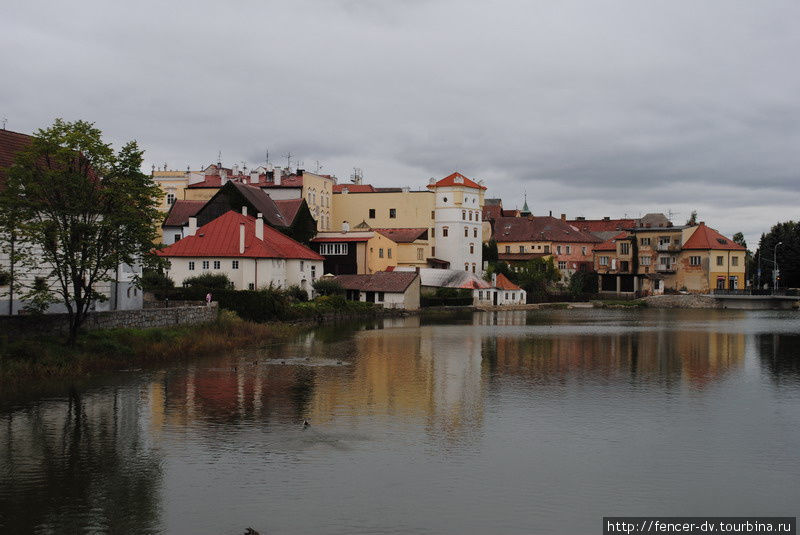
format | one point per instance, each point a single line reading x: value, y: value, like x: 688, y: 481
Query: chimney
x: 276, y: 177
x: 244, y: 210
x: 260, y: 226
x: 241, y: 238
x: 551, y: 213
x: 345, y: 226
x: 192, y: 230
x: 254, y: 177
x: 417, y: 269
x: 223, y: 176
x: 606, y: 218
x: 564, y: 217
x: 494, y: 279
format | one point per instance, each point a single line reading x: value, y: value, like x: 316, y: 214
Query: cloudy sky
x: 594, y: 108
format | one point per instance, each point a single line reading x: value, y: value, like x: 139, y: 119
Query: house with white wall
x: 252, y: 255
x: 392, y: 289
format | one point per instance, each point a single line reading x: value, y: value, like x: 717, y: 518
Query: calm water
x: 511, y: 422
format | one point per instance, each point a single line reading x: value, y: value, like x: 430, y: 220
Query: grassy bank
x: 97, y: 351
x: 619, y: 303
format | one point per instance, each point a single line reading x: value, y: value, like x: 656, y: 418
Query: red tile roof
x: 180, y: 212
x: 264, y: 181
x: 705, y: 237
x: 353, y: 188
x: 289, y: 208
x: 404, y: 235
x: 602, y: 225
x: 341, y: 239
x: 11, y: 143
x: 503, y: 283
x: 220, y: 238
x: 611, y: 245
x: 382, y: 281
x: 538, y: 228
x: 450, y: 180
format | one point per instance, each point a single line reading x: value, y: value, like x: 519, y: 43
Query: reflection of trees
x: 78, y: 463
x: 780, y: 355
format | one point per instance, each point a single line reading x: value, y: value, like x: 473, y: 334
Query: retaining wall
x: 137, y: 319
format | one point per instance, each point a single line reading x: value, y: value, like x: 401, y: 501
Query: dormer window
x: 458, y: 180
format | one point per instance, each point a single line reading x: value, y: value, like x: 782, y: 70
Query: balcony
x: 668, y: 247
x: 665, y: 268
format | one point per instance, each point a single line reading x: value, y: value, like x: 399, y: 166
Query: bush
x: 328, y: 287
x: 209, y: 281
x: 582, y: 282
x: 297, y: 293
x: 155, y: 279
x: 5, y: 278
x: 453, y: 297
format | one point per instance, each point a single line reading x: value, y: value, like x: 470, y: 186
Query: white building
x: 252, y: 255
x: 392, y: 289
x: 457, y: 222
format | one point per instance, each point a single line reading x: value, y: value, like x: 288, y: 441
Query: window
x: 474, y: 233
x: 645, y: 241
x: 444, y: 199
x: 473, y: 268
x: 694, y: 260
x: 251, y: 286
x: 433, y: 214
x: 302, y: 265
x: 420, y: 253
x: 170, y: 199
x: 205, y: 264
x: 603, y: 260
x: 471, y: 248
x: 569, y: 249
x: 645, y: 260
x: 433, y: 251
x: 558, y: 249
x: 235, y: 264
x: 562, y: 264
x: 466, y: 232
x: 463, y: 215
x: 547, y: 249
x: 480, y: 294
x: 583, y: 251
x: 313, y: 272
x: 508, y: 248
x: 506, y: 295
x: 371, y: 213
x: 433, y: 234
x: 466, y: 266
x: 624, y: 248
x: 470, y: 216
x: 216, y: 264
x: 328, y: 249
x: 389, y: 252
x: 381, y: 295
x: 720, y: 260
x: 191, y: 266
x: 392, y: 213
x: 734, y: 260
x: 444, y: 232
x: 380, y: 252
x: 177, y: 237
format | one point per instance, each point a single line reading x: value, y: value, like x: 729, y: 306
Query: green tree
x: 328, y: 286
x: 490, y: 251
x: 692, y: 218
x: 536, y: 276
x: 787, y: 255
x: 210, y: 281
x: 82, y: 209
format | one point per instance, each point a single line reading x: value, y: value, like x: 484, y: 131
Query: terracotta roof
x: 220, y: 238
x: 602, y: 225
x: 503, y: 283
x: 509, y: 213
x: 180, y: 212
x: 611, y: 245
x: 492, y: 211
x: 11, y: 143
x: 353, y: 188
x: 341, y: 239
x: 289, y: 208
x: 457, y: 179
x: 705, y: 237
x: 404, y: 235
x: 541, y: 228
x: 382, y: 281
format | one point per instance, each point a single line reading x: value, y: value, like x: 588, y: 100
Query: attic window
x: 721, y: 241
x: 458, y: 180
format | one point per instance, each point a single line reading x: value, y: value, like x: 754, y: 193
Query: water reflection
x: 110, y: 458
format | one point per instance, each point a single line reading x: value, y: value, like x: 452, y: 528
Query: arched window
x: 471, y: 248
x: 474, y: 233
x: 444, y: 232
x: 466, y: 232
x: 463, y: 215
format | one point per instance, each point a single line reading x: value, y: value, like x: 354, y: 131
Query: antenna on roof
x: 219, y: 159
x: 357, y: 176
x: 671, y: 214
x: 318, y: 167
x: 266, y: 151
x: 288, y: 160
x: 5, y: 120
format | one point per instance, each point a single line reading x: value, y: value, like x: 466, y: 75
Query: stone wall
x: 681, y: 301
x: 136, y: 319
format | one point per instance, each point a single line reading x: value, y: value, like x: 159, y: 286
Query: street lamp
x: 775, y: 266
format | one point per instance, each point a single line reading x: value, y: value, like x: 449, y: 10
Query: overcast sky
x: 594, y: 108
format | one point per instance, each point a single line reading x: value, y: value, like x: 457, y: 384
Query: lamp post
x: 775, y: 266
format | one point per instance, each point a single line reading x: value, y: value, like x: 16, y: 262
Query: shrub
x: 210, y: 281
x: 328, y: 287
x: 155, y: 279
x: 297, y: 293
x: 5, y: 278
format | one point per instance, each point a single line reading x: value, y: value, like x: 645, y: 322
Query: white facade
x: 457, y: 224
x: 249, y: 273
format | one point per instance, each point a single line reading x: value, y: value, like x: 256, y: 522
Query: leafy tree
x: 490, y: 251
x: 297, y: 293
x: 210, y: 281
x: 787, y: 255
x: 692, y: 218
x: 156, y: 279
x: 582, y: 282
x: 81, y: 209
x: 327, y: 286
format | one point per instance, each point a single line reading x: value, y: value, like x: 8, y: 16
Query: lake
x: 487, y: 423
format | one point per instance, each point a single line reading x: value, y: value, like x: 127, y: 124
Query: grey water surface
x: 486, y: 423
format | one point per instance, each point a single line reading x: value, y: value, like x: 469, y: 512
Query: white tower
x: 457, y: 222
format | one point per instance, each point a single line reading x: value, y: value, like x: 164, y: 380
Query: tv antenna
x: 266, y: 151
x: 288, y: 160
x: 5, y: 120
x: 671, y: 214
x: 357, y: 176
x: 219, y: 159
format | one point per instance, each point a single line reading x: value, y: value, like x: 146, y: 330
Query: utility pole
x: 775, y: 271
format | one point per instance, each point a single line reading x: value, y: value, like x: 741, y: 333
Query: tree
x: 327, y: 286
x: 210, y: 281
x: 81, y: 209
x: 787, y: 255
x: 692, y: 221
x: 490, y: 251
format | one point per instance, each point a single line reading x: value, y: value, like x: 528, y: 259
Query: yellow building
x: 359, y: 252
x: 173, y: 184
x: 413, y: 245
x: 382, y: 207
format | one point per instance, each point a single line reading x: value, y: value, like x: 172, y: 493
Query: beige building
x: 382, y: 207
x: 172, y: 184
